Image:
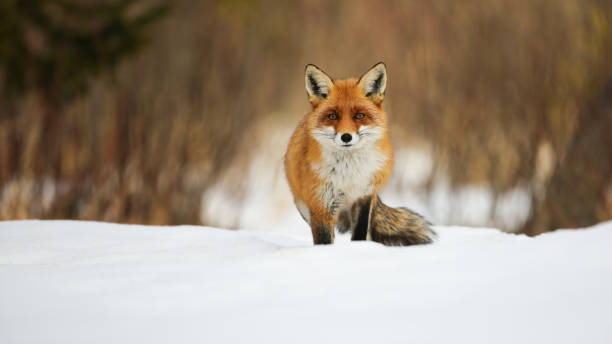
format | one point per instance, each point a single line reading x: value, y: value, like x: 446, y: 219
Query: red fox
x: 340, y: 156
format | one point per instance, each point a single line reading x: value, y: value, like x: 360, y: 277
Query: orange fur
x: 304, y: 153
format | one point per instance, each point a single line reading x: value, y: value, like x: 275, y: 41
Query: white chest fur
x: 347, y: 174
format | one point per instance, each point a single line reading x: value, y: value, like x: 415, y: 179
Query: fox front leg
x: 322, y: 226
x: 360, y: 215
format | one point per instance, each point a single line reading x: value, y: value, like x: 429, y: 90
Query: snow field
x: 87, y: 282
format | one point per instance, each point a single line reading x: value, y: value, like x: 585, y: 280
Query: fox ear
x: 374, y: 82
x: 318, y: 84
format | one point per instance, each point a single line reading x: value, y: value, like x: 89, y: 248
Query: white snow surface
x: 88, y: 282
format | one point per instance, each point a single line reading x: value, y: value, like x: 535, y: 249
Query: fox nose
x: 346, y: 138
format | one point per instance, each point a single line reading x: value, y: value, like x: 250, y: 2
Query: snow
x: 89, y: 282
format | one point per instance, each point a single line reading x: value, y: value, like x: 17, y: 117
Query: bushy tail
x: 383, y: 224
x: 398, y: 226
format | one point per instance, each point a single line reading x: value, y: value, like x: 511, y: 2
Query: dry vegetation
x: 508, y: 93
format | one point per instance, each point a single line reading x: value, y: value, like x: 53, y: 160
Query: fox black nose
x: 346, y: 138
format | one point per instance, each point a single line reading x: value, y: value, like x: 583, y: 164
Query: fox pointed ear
x: 374, y: 82
x: 318, y: 84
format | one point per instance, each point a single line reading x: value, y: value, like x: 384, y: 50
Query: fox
x: 340, y: 156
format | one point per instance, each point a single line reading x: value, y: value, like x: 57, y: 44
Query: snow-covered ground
x: 84, y: 282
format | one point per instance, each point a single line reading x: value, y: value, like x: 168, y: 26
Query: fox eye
x: 332, y: 116
x: 360, y: 116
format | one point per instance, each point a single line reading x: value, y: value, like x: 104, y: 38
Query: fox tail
x: 399, y: 226
x: 372, y: 219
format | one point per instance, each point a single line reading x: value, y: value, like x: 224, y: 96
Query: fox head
x: 347, y: 114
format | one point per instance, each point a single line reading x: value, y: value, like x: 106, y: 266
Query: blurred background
x: 179, y: 112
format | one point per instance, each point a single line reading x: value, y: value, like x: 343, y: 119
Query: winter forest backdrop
x: 179, y: 112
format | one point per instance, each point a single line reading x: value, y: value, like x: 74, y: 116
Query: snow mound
x: 87, y: 282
